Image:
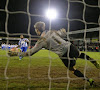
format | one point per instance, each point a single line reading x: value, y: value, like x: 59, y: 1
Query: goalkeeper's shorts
x: 69, y: 63
x: 73, y: 53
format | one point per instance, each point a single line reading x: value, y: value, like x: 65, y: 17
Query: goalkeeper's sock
x: 79, y: 74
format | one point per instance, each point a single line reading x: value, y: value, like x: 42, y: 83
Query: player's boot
x: 20, y: 58
x: 91, y: 81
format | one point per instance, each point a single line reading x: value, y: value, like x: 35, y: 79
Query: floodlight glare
x: 51, y: 14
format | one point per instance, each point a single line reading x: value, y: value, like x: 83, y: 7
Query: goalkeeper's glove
x: 22, y: 54
x: 10, y: 53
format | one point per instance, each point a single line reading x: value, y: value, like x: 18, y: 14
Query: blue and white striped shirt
x: 23, y: 42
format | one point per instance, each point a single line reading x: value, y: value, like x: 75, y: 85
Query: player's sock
x: 79, y: 74
x: 97, y: 65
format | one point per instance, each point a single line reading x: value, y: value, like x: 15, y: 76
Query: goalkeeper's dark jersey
x: 53, y: 41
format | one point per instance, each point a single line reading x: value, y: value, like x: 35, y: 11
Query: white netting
x: 50, y: 28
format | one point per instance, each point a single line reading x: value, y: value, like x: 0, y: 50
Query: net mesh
x: 51, y: 79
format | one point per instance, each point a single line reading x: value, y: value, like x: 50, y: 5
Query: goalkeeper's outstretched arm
x: 41, y: 43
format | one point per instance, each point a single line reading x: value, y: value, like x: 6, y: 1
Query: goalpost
x: 85, y: 31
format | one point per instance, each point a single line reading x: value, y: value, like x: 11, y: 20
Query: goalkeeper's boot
x: 91, y: 81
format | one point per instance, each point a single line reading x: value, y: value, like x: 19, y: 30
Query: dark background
x: 18, y: 22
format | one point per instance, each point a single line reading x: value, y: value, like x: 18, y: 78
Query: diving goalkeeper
x: 53, y: 40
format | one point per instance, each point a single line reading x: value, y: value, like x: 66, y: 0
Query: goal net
x: 44, y: 70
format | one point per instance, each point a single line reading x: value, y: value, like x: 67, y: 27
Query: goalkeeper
x: 53, y: 41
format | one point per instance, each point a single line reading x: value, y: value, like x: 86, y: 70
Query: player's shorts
x: 8, y: 48
x: 69, y: 63
x: 24, y: 49
x: 73, y: 53
x: 1, y: 47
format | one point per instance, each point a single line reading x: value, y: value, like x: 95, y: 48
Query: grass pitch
x: 33, y: 72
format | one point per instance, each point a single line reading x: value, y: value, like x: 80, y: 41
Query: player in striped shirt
x: 23, y: 44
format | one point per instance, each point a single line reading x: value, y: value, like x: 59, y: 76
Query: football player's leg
x: 22, y: 50
x: 83, y: 56
x: 25, y: 49
x: 70, y: 65
x: 81, y: 75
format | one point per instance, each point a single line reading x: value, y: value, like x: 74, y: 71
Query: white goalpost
x: 31, y: 37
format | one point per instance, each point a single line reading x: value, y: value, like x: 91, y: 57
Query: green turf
x: 36, y: 67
